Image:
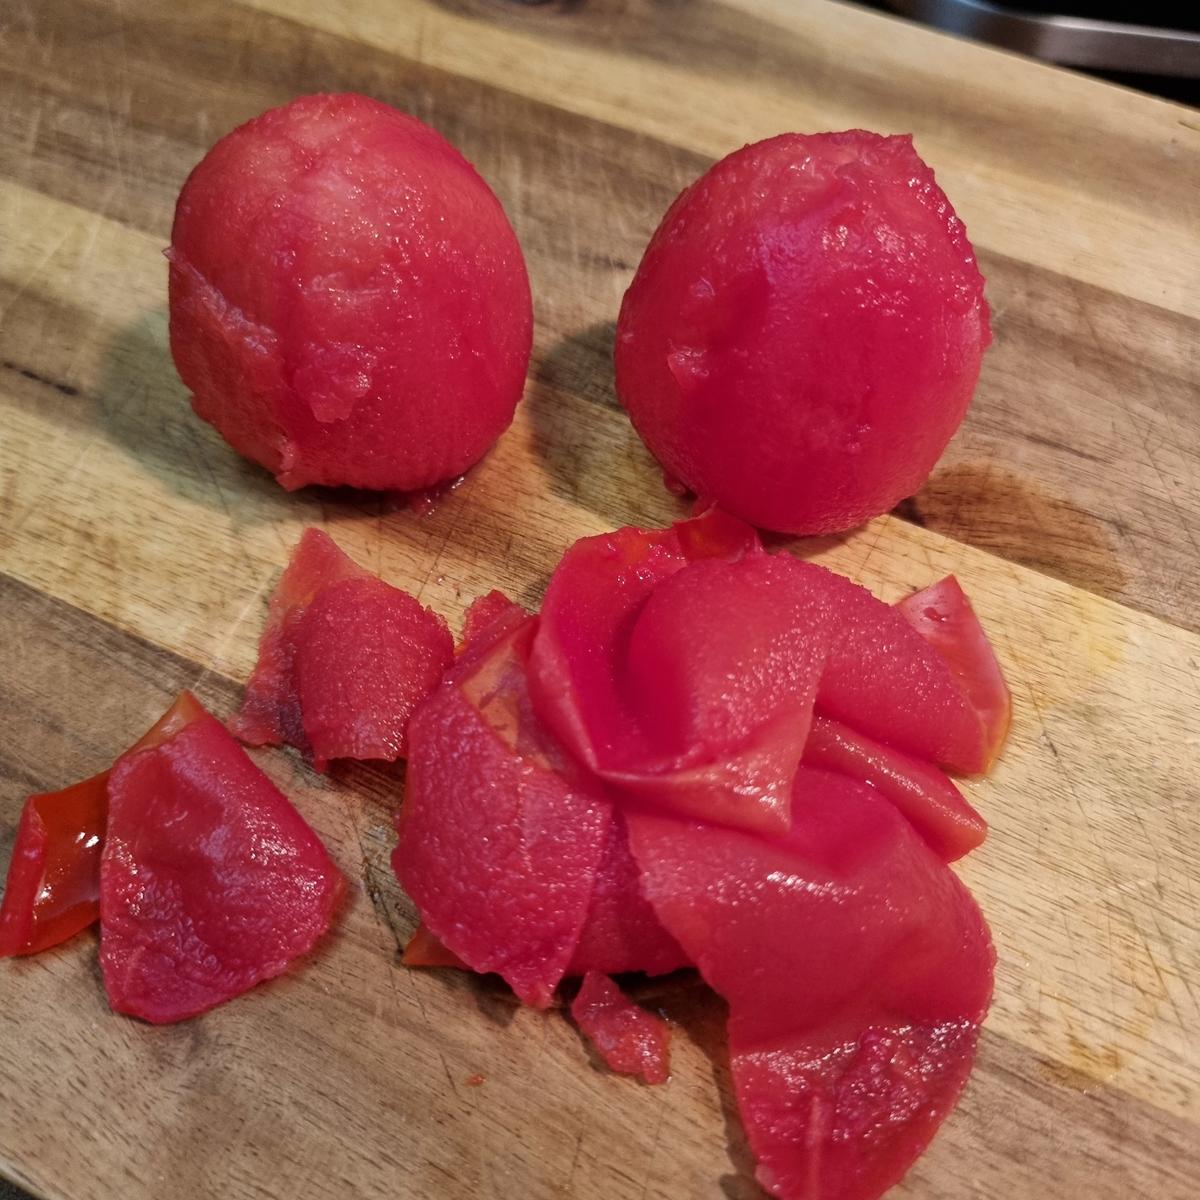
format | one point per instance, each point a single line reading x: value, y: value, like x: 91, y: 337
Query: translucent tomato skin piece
x: 857, y: 969
x: 631, y: 1040
x: 210, y: 880
x: 424, y: 950
x: 590, y: 604
x: 53, y: 887
x: 943, y: 616
x: 935, y: 807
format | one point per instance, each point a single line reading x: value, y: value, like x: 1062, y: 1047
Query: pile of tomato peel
x: 698, y: 754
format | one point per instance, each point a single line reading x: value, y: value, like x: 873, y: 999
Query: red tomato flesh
x: 210, y: 880
x: 488, y: 618
x: 621, y: 932
x: 618, y: 674
x: 631, y: 1040
x: 943, y: 616
x: 497, y: 848
x: 804, y: 331
x: 343, y: 662
x: 349, y: 304
x: 53, y: 887
x: 857, y: 969
x: 588, y: 610
x: 935, y: 807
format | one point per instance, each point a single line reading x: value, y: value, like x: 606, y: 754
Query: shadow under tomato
x: 1022, y: 521
x: 142, y: 407
x: 701, y: 1015
x: 592, y: 454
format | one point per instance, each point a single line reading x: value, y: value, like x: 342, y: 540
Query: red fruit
x: 943, y: 616
x: 631, y: 1040
x: 53, y: 887
x: 349, y: 304
x: 857, y: 969
x: 210, y: 880
x: 343, y: 662
x: 935, y: 807
x: 498, y: 849
x: 804, y: 331
x: 617, y: 671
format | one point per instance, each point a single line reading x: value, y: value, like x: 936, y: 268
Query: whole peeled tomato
x: 804, y: 331
x: 349, y: 304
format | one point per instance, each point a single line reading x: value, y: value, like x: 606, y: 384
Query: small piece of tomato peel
x: 631, y: 1040
x: 942, y: 614
x: 424, y: 950
x: 210, y: 880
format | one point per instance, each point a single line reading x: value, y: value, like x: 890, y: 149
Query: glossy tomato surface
x: 349, y: 304
x: 804, y: 331
x: 497, y: 847
x: 858, y: 971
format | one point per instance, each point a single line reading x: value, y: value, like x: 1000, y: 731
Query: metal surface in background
x: 1069, y: 40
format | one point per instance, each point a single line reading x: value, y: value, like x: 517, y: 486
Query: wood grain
x: 1092, y: 488
x: 137, y: 550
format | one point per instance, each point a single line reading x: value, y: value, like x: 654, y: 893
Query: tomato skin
x: 424, y: 950
x: 943, y: 616
x: 53, y: 887
x: 343, y: 662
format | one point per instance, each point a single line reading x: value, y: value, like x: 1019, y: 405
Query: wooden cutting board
x: 137, y: 552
